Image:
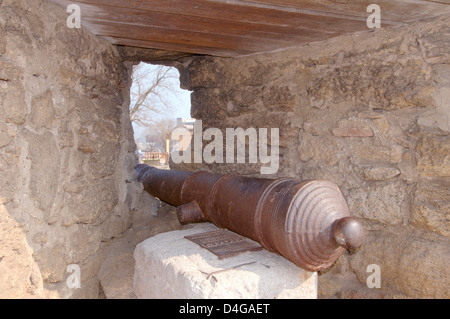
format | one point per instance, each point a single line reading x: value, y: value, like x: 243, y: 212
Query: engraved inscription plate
x: 224, y: 243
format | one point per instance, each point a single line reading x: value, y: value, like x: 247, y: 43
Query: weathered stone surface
x: 9, y: 72
x: 386, y: 204
x: 319, y: 149
x: 105, y: 152
x: 376, y: 90
x: 42, y: 111
x: 86, y: 148
x: 151, y: 55
x: 14, y: 109
x: 6, y: 135
x: 117, y: 271
x: 51, y: 259
x: 9, y: 169
x: 410, y: 265
x: 431, y: 206
x: 379, y: 173
x: 170, y: 266
x: 212, y: 99
x: 90, y: 204
x: 434, y: 156
x: 81, y: 235
x: 374, y: 154
x: 348, y: 128
x: 438, y: 120
x: 279, y: 99
x: 19, y: 278
x: 425, y: 268
x: 432, y: 47
x: 44, y: 171
x: 64, y: 138
x: 2, y: 39
x: 395, y: 81
x: 371, y: 113
x: 198, y: 74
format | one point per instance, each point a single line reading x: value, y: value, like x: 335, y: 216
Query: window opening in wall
x: 157, y: 106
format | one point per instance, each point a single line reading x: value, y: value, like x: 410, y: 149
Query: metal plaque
x: 224, y: 243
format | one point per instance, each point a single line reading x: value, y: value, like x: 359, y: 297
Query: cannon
x: 307, y: 222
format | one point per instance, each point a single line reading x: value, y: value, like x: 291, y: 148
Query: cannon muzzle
x: 307, y: 222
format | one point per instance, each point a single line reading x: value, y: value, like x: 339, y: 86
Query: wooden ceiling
x: 236, y: 28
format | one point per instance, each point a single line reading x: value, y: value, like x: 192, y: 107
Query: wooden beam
x: 177, y: 47
x: 207, y: 25
x: 392, y: 11
x: 218, y: 10
x: 219, y: 41
x: 247, y: 26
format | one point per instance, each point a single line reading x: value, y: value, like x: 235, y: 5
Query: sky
x: 180, y: 102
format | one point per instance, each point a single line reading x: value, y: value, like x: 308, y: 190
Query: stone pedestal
x: 171, y: 266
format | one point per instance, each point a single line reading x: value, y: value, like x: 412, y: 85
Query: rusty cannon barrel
x: 307, y: 222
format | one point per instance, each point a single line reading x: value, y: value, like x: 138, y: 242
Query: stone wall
x: 369, y: 112
x: 66, y: 151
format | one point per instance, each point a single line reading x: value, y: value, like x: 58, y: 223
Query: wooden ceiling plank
x: 207, y: 25
x: 297, y: 27
x: 177, y: 48
x: 149, y: 33
x: 392, y: 11
x: 248, y: 26
x: 215, y: 10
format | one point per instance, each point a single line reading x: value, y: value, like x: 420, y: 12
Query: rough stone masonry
x: 370, y: 112
x: 66, y: 152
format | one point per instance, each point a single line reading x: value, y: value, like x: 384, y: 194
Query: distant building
x: 184, y: 134
x: 148, y: 152
x: 148, y: 147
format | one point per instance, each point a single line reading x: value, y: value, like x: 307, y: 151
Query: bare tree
x: 151, y: 93
x: 160, y: 132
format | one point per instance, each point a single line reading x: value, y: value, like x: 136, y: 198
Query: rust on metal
x: 190, y: 213
x: 224, y: 243
x: 307, y: 222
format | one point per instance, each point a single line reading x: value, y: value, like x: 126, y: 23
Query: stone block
x: 6, y: 135
x: 347, y: 128
x: 379, y: 173
x: 92, y: 205
x: 15, y: 258
x: 319, y: 149
x: 9, y: 169
x: 9, y: 72
x: 2, y: 40
x: 213, y: 99
x: 45, y: 171
x: 434, y: 156
x: 42, y: 111
x: 13, y: 108
x: 409, y: 264
x: 279, y: 99
x: 60, y: 196
x: 431, y: 206
x: 384, y: 203
x: 199, y: 74
x: 51, y: 261
x: 170, y: 266
x: 367, y: 153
